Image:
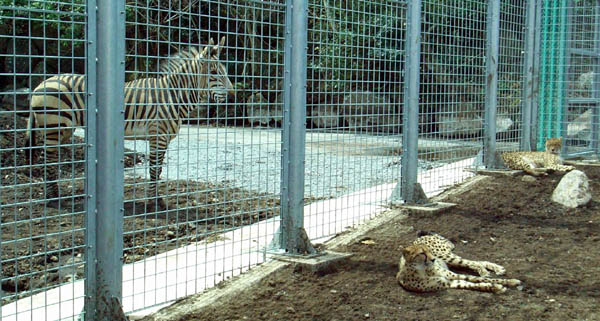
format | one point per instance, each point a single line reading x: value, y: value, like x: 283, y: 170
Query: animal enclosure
x: 209, y: 135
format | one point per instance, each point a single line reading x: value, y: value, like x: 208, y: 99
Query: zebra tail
x: 30, y: 139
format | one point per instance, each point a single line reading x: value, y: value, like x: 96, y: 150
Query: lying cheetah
x: 441, y: 248
x: 423, y: 268
x: 537, y: 163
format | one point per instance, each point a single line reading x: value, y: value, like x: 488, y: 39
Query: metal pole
x: 536, y: 75
x: 110, y: 79
x: 293, y: 237
x: 595, y: 134
x: 545, y: 71
x: 563, y: 59
x: 90, y: 165
x: 563, y: 94
x: 411, y: 102
x: 528, y: 70
x: 491, y: 89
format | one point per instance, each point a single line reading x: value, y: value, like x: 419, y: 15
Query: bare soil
x: 554, y: 250
x: 42, y: 246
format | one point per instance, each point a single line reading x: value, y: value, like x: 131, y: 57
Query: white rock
x: 528, y: 179
x: 369, y: 111
x: 260, y: 112
x: 467, y: 119
x: 581, y: 127
x: 327, y: 116
x: 573, y: 190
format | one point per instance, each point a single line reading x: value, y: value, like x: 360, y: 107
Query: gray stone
x: 326, y: 116
x: 528, y: 179
x: 260, y: 112
x: 466, y: 119
x: 580, y: 127
x: 368, y: 111
x: 573, y: 190
x: 202, y: 113
x: 584, y: 83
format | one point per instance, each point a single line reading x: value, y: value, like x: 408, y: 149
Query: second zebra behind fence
x: 154, y: 108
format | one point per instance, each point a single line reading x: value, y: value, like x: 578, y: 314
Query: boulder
x: 583, y: 86
x: 367, y: 111
x: 326, y: 116
x: 260, y: 112
x: 466, y: 119
x: 580, y: 127
x: 200, y: 114
x: 573, y: 190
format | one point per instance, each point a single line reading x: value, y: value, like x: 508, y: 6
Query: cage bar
x: 109, y: 152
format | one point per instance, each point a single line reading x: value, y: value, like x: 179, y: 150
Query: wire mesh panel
x: 513, y: 16
x: 203, y: 110
x: 354, y: 105
x: 42, y: 170
x: 452, y: 89
x: 572, y: 90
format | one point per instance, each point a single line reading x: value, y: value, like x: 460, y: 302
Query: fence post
x: 530, y: 81
x: 292, y: 236
x: 411, y: 102
x: 90, y: 164
x: 595, y: 135
x: 110, y: 79
x: 491, y: 88
x: 537, y: 74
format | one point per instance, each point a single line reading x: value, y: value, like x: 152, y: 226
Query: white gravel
x: 251, y: 159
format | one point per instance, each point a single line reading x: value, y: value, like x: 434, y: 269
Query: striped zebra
x: 154, y: 107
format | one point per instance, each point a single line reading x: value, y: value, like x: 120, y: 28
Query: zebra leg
x: 157, y: 155
x: 53, y: 139
x: 52, y: 174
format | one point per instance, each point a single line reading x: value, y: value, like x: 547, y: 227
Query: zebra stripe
x: 154, y: 107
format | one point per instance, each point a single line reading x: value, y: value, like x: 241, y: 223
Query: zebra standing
x: 154, y: 107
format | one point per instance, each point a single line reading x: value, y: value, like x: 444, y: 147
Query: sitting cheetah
x: 422, y: 270
x: 537, y: 163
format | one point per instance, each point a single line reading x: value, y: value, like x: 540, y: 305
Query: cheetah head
x: 418, y: 255
x: 553, y: 145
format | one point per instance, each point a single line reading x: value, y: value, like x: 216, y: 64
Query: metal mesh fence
x: 221, y: 172
x: 569, y: 101
x: 513, y: 15
x: 354, y: 103
x: 42, y: 219
x: 452, y: 89
x: 221, y: 166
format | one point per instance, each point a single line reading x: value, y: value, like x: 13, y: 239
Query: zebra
x: 154, y: 107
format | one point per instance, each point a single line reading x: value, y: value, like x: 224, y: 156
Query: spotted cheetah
x: 421, y: 270
x: 442, y: 248
x: 537, y: 163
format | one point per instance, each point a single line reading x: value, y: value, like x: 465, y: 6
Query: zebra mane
x: 178, y: 59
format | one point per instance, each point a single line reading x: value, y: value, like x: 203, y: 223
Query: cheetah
x: 422, y: 268
x: 442, y: 248
x: 538, y: 163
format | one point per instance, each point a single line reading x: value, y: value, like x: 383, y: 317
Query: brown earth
x: 555, y: 251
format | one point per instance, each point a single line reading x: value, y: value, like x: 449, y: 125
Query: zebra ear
x: 211, y: 42
x: 219, y: 47
x: 206, y: 52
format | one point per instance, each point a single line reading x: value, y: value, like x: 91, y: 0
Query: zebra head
x: 214, y: 73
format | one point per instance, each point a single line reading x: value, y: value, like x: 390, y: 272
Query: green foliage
x: 350, y: 38
x: 59, y: 20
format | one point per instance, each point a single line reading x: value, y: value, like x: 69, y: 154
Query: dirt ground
x: 555, y: 251
x: 42, y: 247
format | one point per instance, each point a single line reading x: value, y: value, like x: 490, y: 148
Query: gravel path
x: 249, y: 158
